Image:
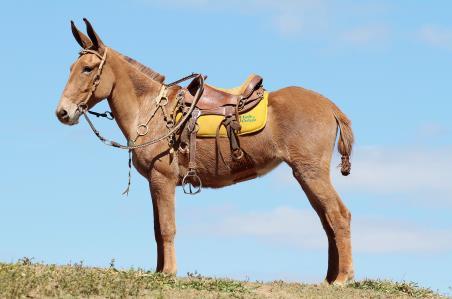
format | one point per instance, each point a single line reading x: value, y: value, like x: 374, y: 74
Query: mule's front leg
x: 162, y: 192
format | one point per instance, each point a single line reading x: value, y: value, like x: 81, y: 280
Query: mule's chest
x: 145, y: 161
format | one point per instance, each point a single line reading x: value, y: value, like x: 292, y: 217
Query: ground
x: 37, y: 280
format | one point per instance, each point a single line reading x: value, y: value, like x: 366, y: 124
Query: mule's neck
x: 131, y: 93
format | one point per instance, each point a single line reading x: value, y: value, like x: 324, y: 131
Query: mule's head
x: 83, y: 73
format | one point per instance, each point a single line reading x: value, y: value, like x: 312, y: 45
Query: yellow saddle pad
x: 251, y: 121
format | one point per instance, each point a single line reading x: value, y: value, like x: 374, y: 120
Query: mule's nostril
x: 62, y: 113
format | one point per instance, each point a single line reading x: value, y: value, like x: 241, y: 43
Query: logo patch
x: 247, y: 118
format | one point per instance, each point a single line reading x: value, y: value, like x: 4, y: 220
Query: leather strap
x: 251, y: 101
x: 191, y: 178
x: 254, y: 84
x: 193, y: 129
x: 232, y: 128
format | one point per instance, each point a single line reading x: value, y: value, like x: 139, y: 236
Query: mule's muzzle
x: 68, y: 114
x: 62, y: 115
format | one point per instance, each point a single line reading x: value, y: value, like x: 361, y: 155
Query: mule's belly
x: 213, y: 180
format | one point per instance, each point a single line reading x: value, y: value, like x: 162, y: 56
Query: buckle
x: 82, y: 107
x: 142, y: 130
x: 241, y: 104
x: 109, y: 115
x: 163, y: 101
x: 237, y: 154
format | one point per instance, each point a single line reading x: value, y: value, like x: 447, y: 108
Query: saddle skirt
x: 216, y: 101
x: 251, y: 122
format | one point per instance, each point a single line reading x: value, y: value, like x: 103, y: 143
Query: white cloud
x: 431, y: 130
x: 298, y: 228
x: 322, y: 20
x: 288, y: 24
x: 415, y: 172
x: 287, y: 17
x: 366, y: 35
x: 276, y: 226
x: 412, y: 173
x: 298, y: 18
x: 247, y: 5
x: 381, y: 235
x: 179, y: 3
x: 436, y: 36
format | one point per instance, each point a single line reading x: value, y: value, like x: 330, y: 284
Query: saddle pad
x: 251, y: 121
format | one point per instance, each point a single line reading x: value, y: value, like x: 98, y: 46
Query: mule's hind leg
x: 335, y: 218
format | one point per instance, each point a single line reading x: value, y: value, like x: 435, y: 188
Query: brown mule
x: 301, y: 131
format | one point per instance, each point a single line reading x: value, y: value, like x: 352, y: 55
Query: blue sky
x: 387, y: 65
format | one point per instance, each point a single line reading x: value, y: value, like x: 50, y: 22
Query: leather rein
x: 160, y: 101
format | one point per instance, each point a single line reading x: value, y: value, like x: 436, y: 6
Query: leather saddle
x: 229, y: 103
x: 214, y: 97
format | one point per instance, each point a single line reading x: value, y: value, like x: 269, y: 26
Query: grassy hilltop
x: 34, y: 280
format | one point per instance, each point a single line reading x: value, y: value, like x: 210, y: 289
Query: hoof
x: 169, y: 271
x: 339, y: 284
x: 342, y: 280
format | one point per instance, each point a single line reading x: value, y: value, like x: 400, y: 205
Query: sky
x: 386, y: 64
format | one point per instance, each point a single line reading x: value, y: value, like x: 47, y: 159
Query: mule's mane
x: 144, y: 69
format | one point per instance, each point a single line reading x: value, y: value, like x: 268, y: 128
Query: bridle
x: 96, y: 79
x: 160, y: 102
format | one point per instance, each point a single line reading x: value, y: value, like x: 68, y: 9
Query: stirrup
x: 191, y: 174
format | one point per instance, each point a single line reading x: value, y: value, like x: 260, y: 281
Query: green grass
x: 25, y: 279
x: 397, y: 288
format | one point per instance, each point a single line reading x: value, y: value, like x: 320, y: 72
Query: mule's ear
x: 81, y: 39
x: 97, y: 42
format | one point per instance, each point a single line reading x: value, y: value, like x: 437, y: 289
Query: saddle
x: 214, y: 97
x: 229, y: 103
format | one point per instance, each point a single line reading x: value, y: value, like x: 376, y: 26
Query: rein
x: 160, y: 101
x: 83, y: 108
x: 106, y: 114
x: 159, y: 104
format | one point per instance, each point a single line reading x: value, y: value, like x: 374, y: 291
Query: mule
x: 301, y: 131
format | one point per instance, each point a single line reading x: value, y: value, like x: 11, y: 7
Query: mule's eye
x: 87, y: 70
